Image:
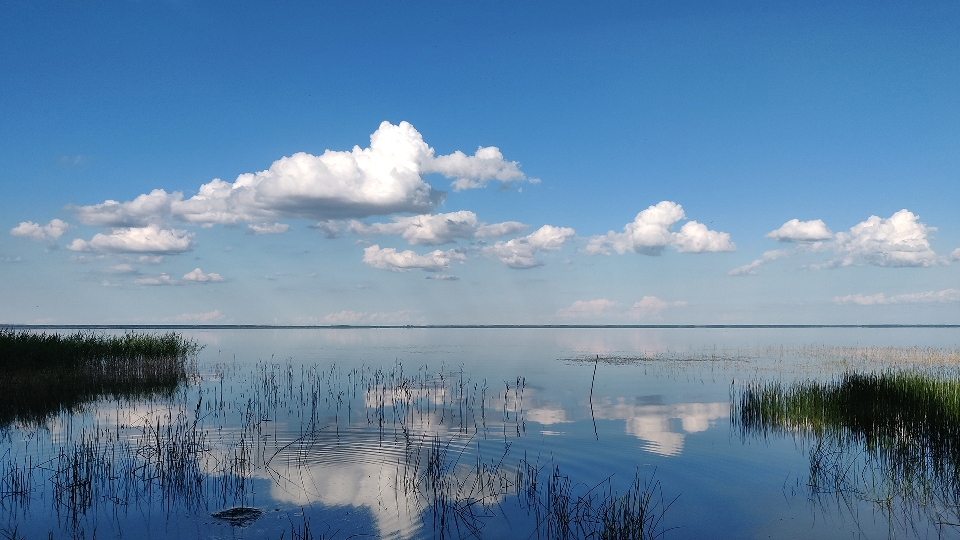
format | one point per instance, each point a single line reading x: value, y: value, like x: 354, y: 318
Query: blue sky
x: 637, y: 162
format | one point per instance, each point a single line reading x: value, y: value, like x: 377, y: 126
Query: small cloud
x: 750, y: 269
x: 40, y: 233
x: 443, y: 277
x: 331, y: 228
x: 955, y: 255
x: 649, y: 234
x: 150, y: 259
x: 150, y: 239
x: 928, y: 297
x: 268, y: 228
x: 801, y: 231
x: 403, y: 261
x: 10, y: 259
x: 196, y: 317
x: 162, y: 279
x: 197, y: 276
x: 519, y: 253
x: 651, y: 307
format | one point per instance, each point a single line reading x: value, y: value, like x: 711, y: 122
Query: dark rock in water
x: 239, y: 516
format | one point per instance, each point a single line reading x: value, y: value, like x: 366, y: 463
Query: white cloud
x: 268, y: 228
x: 519, y: 253
x: 197, y: 276
x: 801, y: 231
x: 474, y: 171
x: 928, y: 297
x: 149, y: 239
x: 649, y: 306
x: 402, y: 261
x: 35, y: 231
x: 162, y: 279
x: 497, y: 230
x: 380, y: 317
x: 750, y: 269
x: 955, y: 255
x: 382, y: 179
x: 437, y: 229
x: 696, y: 238
x: 588, y: 308
x: 149, y: 208
x: 900, y: 240
x: 649, y: 234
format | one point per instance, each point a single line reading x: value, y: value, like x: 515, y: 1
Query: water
x: 423, y: 433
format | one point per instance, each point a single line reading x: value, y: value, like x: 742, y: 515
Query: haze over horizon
x: 543, y: 163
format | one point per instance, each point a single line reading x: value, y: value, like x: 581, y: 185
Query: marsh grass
x: 890, y: 437
x: 201, y: 448
x: 44, y: 374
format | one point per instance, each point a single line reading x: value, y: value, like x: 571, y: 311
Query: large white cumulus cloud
x: 649, y: 234
x: 520, y: 252
x: 382, y: 179
x: 900, y: 240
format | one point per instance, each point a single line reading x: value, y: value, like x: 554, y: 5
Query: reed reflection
x: 890, y: 438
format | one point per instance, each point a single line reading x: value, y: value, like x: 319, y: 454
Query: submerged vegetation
x: 44, y: 374
x: 436, y: 446
x: 889, y: 437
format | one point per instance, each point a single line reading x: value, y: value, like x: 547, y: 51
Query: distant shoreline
x: 448, y: 326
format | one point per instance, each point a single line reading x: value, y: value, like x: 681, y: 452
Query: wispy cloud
x: 928, y: 297
x: 196, y: 317
x: 379, y: 317
x: 648, y: 307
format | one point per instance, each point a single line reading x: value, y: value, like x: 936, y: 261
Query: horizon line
x: 451, y: 326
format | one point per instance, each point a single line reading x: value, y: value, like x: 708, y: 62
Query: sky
x: 654, y: 162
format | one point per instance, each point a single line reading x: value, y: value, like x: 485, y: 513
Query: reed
x: 890, y: 437
x: 44, y: 374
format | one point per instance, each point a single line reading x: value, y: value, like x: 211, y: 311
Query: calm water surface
x: 421, y: 433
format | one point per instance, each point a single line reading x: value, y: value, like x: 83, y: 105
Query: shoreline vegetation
x: 890, y: 437
x: 42, y: 375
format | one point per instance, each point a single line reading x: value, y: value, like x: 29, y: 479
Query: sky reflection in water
x: 337, y: 427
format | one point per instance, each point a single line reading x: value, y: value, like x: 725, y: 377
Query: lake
x: 510, y: 433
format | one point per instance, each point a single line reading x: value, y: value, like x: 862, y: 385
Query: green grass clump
x: 885, y: 436
x: 44, y: 374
